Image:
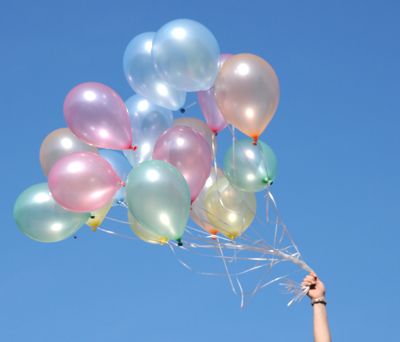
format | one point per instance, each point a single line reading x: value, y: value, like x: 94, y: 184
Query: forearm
x: 321, y: 327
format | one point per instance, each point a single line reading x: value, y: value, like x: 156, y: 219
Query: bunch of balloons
x: 167, y: 164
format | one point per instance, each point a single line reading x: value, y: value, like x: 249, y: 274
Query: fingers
x: 309, y: 280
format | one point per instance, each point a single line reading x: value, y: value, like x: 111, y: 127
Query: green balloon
x: 42, y: 219
x: 247, y: 162
x: 158, y: 197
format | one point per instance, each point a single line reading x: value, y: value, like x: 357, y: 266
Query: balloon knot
x: 265, y: 180
x: 123, y: 183
x: 92, y: 217
x: 179, y: 242
x: 134, y: 148
x: 94, y: 229
x: 216, y: 133
x: 214, y: 237
x: 255, y: 141
x: 182, y: 110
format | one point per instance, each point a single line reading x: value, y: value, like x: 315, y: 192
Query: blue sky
x: 335, y: 135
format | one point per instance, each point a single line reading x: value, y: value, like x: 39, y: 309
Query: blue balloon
x: 121, y: 167
x: 143, y: 77
x: 148, y: 122
x: 186, y: 55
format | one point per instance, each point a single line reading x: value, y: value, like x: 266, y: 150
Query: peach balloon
x: 246, y: 91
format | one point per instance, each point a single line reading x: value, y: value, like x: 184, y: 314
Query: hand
x: 317, y: 288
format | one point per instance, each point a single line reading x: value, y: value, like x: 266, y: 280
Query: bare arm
x: 317, y: 290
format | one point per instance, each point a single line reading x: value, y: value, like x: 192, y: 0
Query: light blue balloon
x: 143, y: 77
x: 250, y: 166
x: 122, y: 168
x: 186, y: 55
x: 148, y: 122
x: 42, y: 219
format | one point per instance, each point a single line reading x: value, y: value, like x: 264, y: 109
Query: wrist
x: 320, y: 301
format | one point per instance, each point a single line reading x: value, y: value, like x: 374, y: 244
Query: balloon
x: 234, y: 216
x: 148, y: 122
x: 96, y: 217
x: 246, y: 168
x: 213, y: 116
x: 143, y: 78
x: 58, y: 144
x: 121, y: 166
x: 83, y: 182
x: 97, y: 115
x: 201, y: 127
x: 188, y: 151
x: 158, y: 197
x: 144, y: 233
x: 246, y: 91
x: 198, y: 213
x: 186, y: 55
x: 41, y: 218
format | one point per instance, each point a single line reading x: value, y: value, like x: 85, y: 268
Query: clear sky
x: 335, y: 135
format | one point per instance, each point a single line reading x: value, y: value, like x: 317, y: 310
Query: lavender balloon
x: 97, y: 115
x: 83, y: 182
x: 213, y: 116
x: 188, y: 151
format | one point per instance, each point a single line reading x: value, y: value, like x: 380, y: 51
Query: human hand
x: 317, y: 288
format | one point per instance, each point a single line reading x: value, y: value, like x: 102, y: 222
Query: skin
x: 317, y: 290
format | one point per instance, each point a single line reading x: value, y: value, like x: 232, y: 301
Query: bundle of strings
x: 258, y: 250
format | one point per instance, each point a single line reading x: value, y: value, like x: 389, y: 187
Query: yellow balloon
x: 99, y: 215
x: 246, y: 91
x: 143, y: 233
x: 234, y: 216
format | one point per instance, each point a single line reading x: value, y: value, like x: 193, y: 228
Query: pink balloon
x: 189, y: 152
x: 83, y: 182
x: 213, y: 116
x: 97, y: 115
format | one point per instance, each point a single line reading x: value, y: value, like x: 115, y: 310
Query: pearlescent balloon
x: 144, y: 233
x: 234, y: 216
x: 158, y: 197
x: 148, y: 122
x: 245, y: 167
x: 201, y: 127
x: 41, y: 218
x: 212, y: 114
x: 58, y: 144
x: 96, y: 217
x: 198, y: 212
x: 143, y: 78
x: 121, y: 166
x: 246, y: 91
x: 83, y: 182
x: 97, y: 115
x: 186, y: 55
x: 188, y: 151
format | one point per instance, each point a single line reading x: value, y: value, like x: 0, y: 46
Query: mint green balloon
x: 248, y: 164
x: 158, y: 197
x: 42, y: 219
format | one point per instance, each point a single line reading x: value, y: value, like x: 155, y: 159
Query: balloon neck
x: 182, y: 110
x: 265, y: 180
x: 179, y: 242
x: 255, y: 141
